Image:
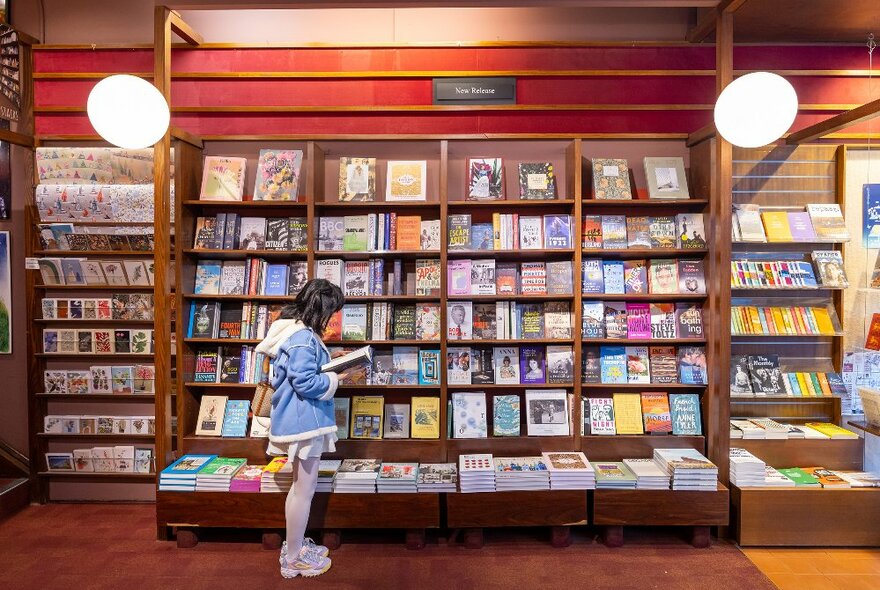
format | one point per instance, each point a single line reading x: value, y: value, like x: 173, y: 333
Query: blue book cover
x: 506, y: 415
x: 692, y: 365
x: 794, y: 385
x: 593, y: 319
x: 230, y: 235
x: 429, y: 367
x: 614, y: 232
x: 405, y: 363
x: 557, y: 232
x: 482, y: 237
x: 612, y: 361
x: 836, y: 384
x: 208, y: 277
x: 612, y: 272
x: 192, y: 317
x: 591, y: 276
x: 276, y: 279
x: 186, y: 467
x: 871, y: 215
x: 219, y: 231
x: 805, y: 273
x: 235, y: 419
x: 532, y: 364
x: 685, y: 410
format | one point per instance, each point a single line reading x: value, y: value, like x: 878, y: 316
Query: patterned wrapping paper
x: 82, y: 165
x: 97, y: 203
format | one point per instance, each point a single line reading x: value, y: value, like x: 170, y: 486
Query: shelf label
x: 31, y: 264
x: 474, y: 90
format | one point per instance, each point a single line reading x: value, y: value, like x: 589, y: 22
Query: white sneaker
x: 307, y: 542
x: 308, y: 564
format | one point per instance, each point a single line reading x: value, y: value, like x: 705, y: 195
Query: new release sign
x: 451, y: 91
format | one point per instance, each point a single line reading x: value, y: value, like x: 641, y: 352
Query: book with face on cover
x: 485, y: 179
x: 547, y: 412
x: 278, y: 175
x: 691, y: 231
x: 406, y: 180
x: 601, y: 413
x: 829, y: 263
x: 611, y: 179
x: 357, y: 179
x: 223, y: 178
x: 637, y: 364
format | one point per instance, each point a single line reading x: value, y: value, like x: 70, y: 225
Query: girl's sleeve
x: 305, y: 376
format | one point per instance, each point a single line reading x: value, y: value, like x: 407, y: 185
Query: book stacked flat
x: 180, y: 476
x: 747, y: 430
x: 277, y: 476
x: 611, y: 475
x: 746, y: 470
x: 773, y: 429
x: 437, y: 477
x: 477, y: 473
x: 327, y: 469
x: 570, y: 471
x: 521, y: 473
x: 247, y: 479
x: 774, y: 479
x: 649, y: 475
x: 217, y: 475
x: 690, y: 470
x: 397, y: 478
x: 357, y: 476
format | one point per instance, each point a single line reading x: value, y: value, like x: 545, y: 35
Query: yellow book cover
x: 628, y: 413
x: 802, y: 317
x: 739, y: 318
x: 496, y: 231
x: 406, y: 180
x: 778, y: 322
x: 367, y: 412
x: 823, y: 320
x: 409, y: 229
x: 425, y: 417
x: 755, y: 320
x: 276, y: 465
x: 805, y: 391
x: 787, y: 320
x: 776, y: 226
x: 831, y: 430
x: 811, y: 386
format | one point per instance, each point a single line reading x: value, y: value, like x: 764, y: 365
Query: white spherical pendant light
x: 755, y: 109
x: 128, y: 111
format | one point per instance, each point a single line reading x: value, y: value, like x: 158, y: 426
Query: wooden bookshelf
x: 445, y: 183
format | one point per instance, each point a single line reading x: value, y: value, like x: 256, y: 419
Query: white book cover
x: 430, y: 235
x: 460, y: 320
x: 329, y: 269
x: 506, y: 363
x: 828, y: 222
x: 483, y: 277
x: 547, y: 412
x: 531, y: 233
x: 645, y: 468
x: 232, y: 277
x: 357, y: 278
x: 751, y: 227
x: 458, y: 366
x: 602, y: 416
x: 260, y: 427
x: 469, y: 415
x: 481, y: 463
x: 211, y: 412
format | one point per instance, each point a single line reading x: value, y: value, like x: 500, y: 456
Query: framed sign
x: 474, y: 91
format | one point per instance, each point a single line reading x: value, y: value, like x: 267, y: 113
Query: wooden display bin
x: 615, y: 509
x: 559, y: 509
x: 805, y: 517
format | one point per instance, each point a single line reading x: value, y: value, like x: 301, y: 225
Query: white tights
x: 299, y: 503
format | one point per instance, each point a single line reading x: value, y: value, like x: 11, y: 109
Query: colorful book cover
x: 611, y: 179
x: 685, y: 411
x: 635, y: 277
x: 532, y: 366
x: 506, y: 365
x: 557, y: 232
x: 664, y: 365
x: 591, y: 232
x: 692, y: 365
x: 459, y: 229
x: 537, y: 180
x: 482, y: 236
x: 357, y: 179
x: 638, y: 320
x: 469, y: 415
x: 425, y: 416
x: 485, y: 179
x: 662, y: 232
x: 405, y: 360
x: 613, y: 364
x: 638, y: 368
x: 828, y: 222
x: 459, y: 277
x: 656, y: 413
x: 615, y: 320
x: 427, y: 322
x: 278, y: 174
x: 223, y: 178
x: 776, y: 226
x: 485, y: 321
x: 614, y: 232
x: 662, y: 320
x: 406, y: 180
x: 690, y: 230
x: 235, y: 419
x: 689, y: 320
x: 593, y: 319
x: 602, y: 419
x: 429, y: 367
x: 802, y: 228
x: 592, y: 280
x: 691, y: 277
x: 613, y: 275
x: 663, y: 277
x: 638, y: 232
x: 506, y: 415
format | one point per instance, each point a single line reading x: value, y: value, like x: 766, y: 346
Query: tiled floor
x: 825, y: 569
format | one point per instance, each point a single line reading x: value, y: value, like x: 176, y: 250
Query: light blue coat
x: 302, y: 405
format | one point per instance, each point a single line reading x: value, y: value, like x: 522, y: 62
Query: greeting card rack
x: 446, y: 166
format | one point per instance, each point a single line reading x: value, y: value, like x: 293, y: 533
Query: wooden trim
x: 375, y: 45
x: 184, y: 31
x: 26, y: 39
x: 190, y: 138
x: 17, y: 138
x: 402, y: 137
x: 701, y: 135
x: 706, y: 25
x: 86, y: 75
x: 837, y: 296
x: 852, y: 117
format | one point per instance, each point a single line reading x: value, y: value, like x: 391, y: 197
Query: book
x: 635, y: 277
x: 429, y: 367
x: 591, y: 232
x: 482, y: 236
x: 557, y: 232
x: 485, y: 179
x: 331, y: 232
x: 690, y: 230
x: 507, y: 278
x: 278, y: 175
x: 691, y: 277
x: 692, y: 365
x: 611, y: 179
x: 357, y: 179
x: 458, y: 366
x: 828, y: 223
x: 409, y: 229
x: 560, y: 364
x: 614, y: 232
x: 593, y: 319
x: 532, y: 364
x: 360, y: 356
x: 212, y: 409
x: 656, y: 413
x: 592, y: 279
x: 405, y: 360
x: 638, y: 232
x: 506, y: 365
x: 406, y: 180
x: 223, y: 178
x: 638, y: 320
x: 662, y: 232
x: 484, y: 321
x: 537, y: 180
x: 591, y: 371
x: 533, y: 278
x: 748, y: 220
x: 663, y: 276
x: 615, y: 320
x: 688, y: 320
x: 482, y: 371
x: 404, y: 322
x: 429, y: 238
x: 459, y: 277
x: 460, y: 318
x: 235, y: 419
x: 506, y: 415
x: 367, y: 412
x: 613, y: 364
x: 425, y: 417
x: 204, y: 319
x: 601, y: 412
x: 666, y: 178
x: 469, y: 415
x: 547, y: 412
x: 277, y: 233
x: 628, y: 413
x: 483, y: 277
x: 207, y: 362
x: 459, y: 229
x: 397, y: 421
x: 342, y: 413
x: 776, y: 226
x: 531, y: 232
x: 664, y: 365
x: 638, y: 368
x: 765, y: 374
x: 662, y: 317
x: 355, y: 237
x: 831, y: 272
x: 531, y: 321
x: 613, y: 276
x: 427, y: 326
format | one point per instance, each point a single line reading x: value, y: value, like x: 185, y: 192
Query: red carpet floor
x: 79, y: 547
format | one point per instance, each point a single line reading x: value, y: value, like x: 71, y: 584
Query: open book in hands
x: 361, y: 356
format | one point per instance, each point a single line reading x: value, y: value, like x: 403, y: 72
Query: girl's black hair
x: 315, y: 304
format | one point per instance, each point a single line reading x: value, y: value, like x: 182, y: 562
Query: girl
x: 302, y: 420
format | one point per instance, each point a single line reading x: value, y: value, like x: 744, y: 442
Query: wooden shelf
x: 222, y: 341
x: 107, y: 223
x: 83, y: 322
x: 377, y: 205
x: 207, y: 253
x: 647, y: 203
x: 404, y: 254
x: 509, y: 342
x: 500, y: 387
x: 627, y: 446
x: 93, y: 253
x: 838, y: 335
x: 642, y: 253
x: 642, y: 386
x: 296, y: 205
x: 661, y: 507
x: 785, y: 290
x: 649, y: 341
x: 648, y: 297
x: 392, y: 298
x: 831, y: 454
x: 238, y: 297
x: 388, y: 387
x: 478, y: 298
x: 429, y: 343
x: 94, y: 437
x: 533, y: 508
x: 86, y: 356
x: 512, y: 254
x: 99, y: 397
x: 865, y: 427
x: 508, y: 446
x: 221, y: 385
x: 510, y: 203
x: 145, y: 288
x: 92, y: 475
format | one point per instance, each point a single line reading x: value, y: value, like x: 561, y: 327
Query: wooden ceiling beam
x: 184, y: 31
x: 706, y: 25
x: 835, y: 123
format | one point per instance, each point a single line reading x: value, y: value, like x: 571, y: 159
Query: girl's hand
x: 343, y: 375
x: 337, y: 354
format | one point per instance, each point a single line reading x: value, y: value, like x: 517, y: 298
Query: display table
x: 872, y: 444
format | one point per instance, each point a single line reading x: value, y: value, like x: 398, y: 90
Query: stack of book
x: 521, y: 473
x: 277, y: 476
x: 689, y: 469
x: 765, y: 428
x: 745, y: 429
x: 180, y: 476
x: 649, y: 475
x: 247, y: 479
x: 745, y: 469
x: 614, y: 476
x: 477, y: 473
x: 773, y: 430
x: 327, y: 469
x: 570, y: 471
x: 217, y: 475
x: 437, y: 477
x: 775, y: 479
x: 397, y: 478
x: 357, y: 476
